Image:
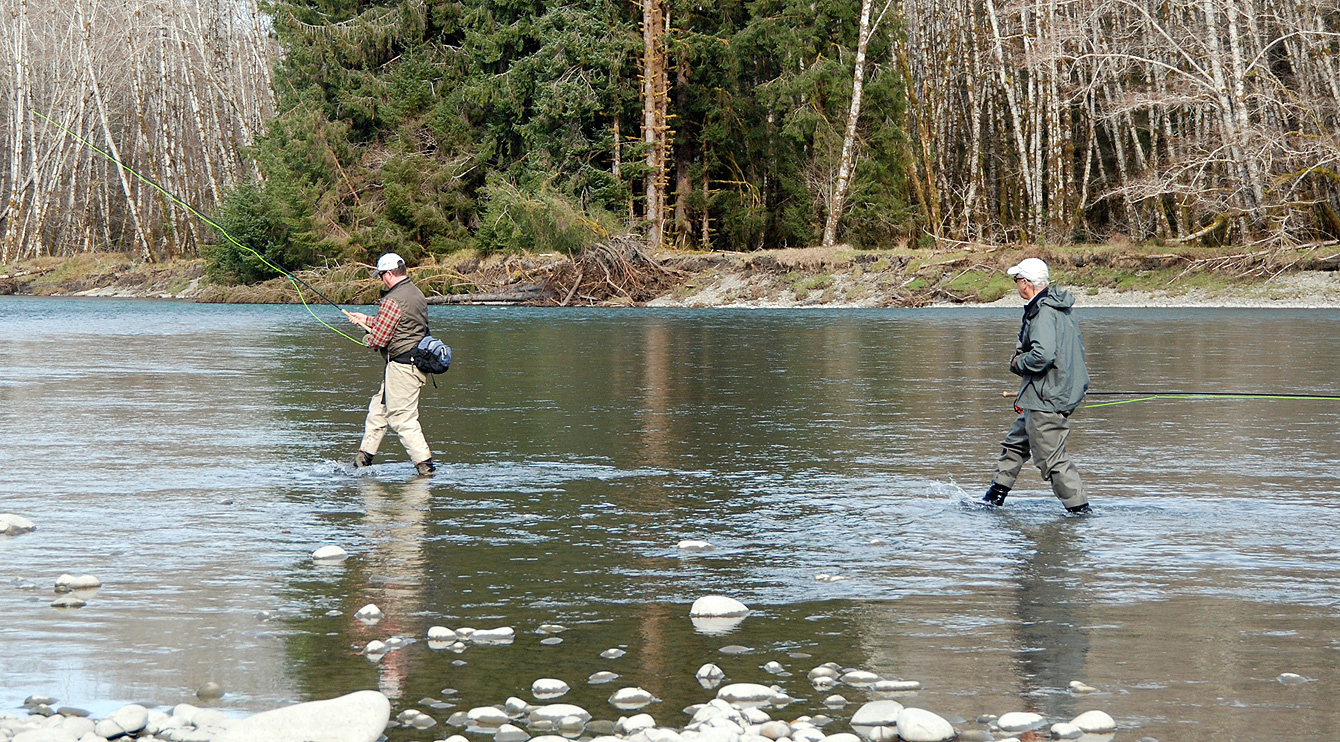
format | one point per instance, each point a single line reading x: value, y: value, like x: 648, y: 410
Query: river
x: 193, y: 456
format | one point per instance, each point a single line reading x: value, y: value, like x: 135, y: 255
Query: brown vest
x: 413, y: 323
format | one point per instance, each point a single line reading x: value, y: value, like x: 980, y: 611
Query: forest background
x: 328, y: 131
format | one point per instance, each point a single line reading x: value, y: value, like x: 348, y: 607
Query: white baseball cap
x: 390, y: 261
x: 1032, y: 270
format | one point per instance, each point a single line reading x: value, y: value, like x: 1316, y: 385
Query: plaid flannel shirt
x: 388, y: 314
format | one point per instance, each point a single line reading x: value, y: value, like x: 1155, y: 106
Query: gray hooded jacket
x: 1050, y: 355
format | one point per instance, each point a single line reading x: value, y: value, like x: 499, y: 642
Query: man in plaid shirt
x: 400, y: 323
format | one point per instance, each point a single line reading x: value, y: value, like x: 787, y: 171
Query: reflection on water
x: 191, y: 457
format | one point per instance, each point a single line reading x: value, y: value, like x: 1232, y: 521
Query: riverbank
x: 834, y: 277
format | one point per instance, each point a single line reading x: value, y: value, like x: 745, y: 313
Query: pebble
x: 66, y: 583
x: 694, y: 545
x: 735, y: 649
x: 550, y: 628
x: 548, y: 688
x: 210, y: 691
x: 919, y: 725
x: 718, y: 606
x: 877, y: 714
x: 330, y: 553
x: 773, y: 668
x: 631, y: 698
x: 1289, y: 678
x: 1020, y: 721
x: 1078, y: 687
x: 613, y: 653
x: 835, y: 702
x: 1095, y: 722
x: 551, y: 640
x: 14, y: 525
x: 602, y: 677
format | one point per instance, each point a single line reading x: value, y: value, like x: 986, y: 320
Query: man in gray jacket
x: 1049, y: 357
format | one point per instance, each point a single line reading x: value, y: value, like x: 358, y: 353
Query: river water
x: 193, y: 456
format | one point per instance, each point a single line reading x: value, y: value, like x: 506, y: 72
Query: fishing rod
x: 296, y: 280
x: 1146, y: 396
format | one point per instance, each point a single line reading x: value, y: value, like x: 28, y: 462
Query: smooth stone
x: 883, y: 734
x: 457, y: 738
x: 755, y: 715
x: 1020, y: 721
x: 631, y: 725
x: 13, y: 525
x: 842, y: 737
x: 896, y: 686
x: 465, y: 632
x: 66, y: 583
x: 211, y: 718
x: 747, y: 694
x: 1062, y: 730
x: 824, y: 683
x: 694, y: 545
x: 602, y: 677
x: 860, y: 678
x: 210, y: 691
x: 1095, y: 722
x: 330, y: 554
x: 45, y: 735
x: 735, y: 649
x: 775, y: 730
x: 773, y: 668
x: 31, y: 701
x: 823, y: 671
x: 710, y: 671
x: 548, y: 688
x: 441, y: 634
x: 718, y: 606
x: 1289, y: 678
x: 1078, y: 687
x: 510, y: 733
x: 877, y: 714
x: 550, y: 628
x: 72, y: 711
x: 360, y: 716
x: 487, y: 716
x: 631, y: 698
x: 975, y: 735
x: 374, y: 648
x: 500, y: 635
x: 68, y: 601
x: 920, y: 725
x: 806, y: 734
x: 558, y: 712
x: 836, y: 702
x: 516, y: 707
x: 547, y: 738
x: 369, y: 612
x: 551, y: 640
x: 125, y: 720
x: 613, y: 653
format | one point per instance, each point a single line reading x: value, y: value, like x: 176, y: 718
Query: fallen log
x: 519, y: 295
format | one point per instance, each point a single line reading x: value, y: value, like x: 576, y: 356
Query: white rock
x: 68, y: 601
x: 859, y: 678
x: 824, y: 671
x: 557, y: 738
x: 500, y: 635
x: 13, y: 525
x: 718, y: 606
x: 510, y: 733
x: 1291, y: 678
x: 374, y: 648
x: 775, y: 730
x: 835, y: 701
x: 694, y: 545
x: 1095, y: 722
x: 369, y: 612
x: 631, y: 698
x: 629, y: 725
x: 896, y: 686
x: 487, y: 716
x: 125, y: 720
x: 572, y: 724
x: 842, y: 737
x: 516, y: 707
x: 357, y: 717
x: 1078, y: 687
x: 465, y: 632
x: 747, y: 694
x: 877, y: 714
x: 550, y: 628
x: 709, y: 671
x: 919, y: 725
x: 548, y: 688
x: 441, y: 634
x: 211, y: 718
x: 773, y: 668
x: 1062, y: 730
x: 44, y: 735
x: 806, y: 734
x: 883, y: 734
x: 330, y: 553
x: 613, y: 653
x: 824, y: 683
x: 1020, y: 721
x: 556, y: 712
x: 66, y: 583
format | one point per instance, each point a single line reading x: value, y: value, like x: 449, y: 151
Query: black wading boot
x: 996, y: 495
x: 425, y: 467
x: 1080, y: 509
x: 362, y: 459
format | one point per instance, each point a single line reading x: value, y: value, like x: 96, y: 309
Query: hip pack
x: 431, y: 356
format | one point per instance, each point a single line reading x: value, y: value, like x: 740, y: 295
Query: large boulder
x: 357, y: 717
x: 13, y: 525
x: 877, y: 714
x: 919, y: 725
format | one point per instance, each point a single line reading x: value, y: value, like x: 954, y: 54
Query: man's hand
x: 360, y: 319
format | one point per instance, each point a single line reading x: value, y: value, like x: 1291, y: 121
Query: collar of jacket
x: 1031, y: 308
